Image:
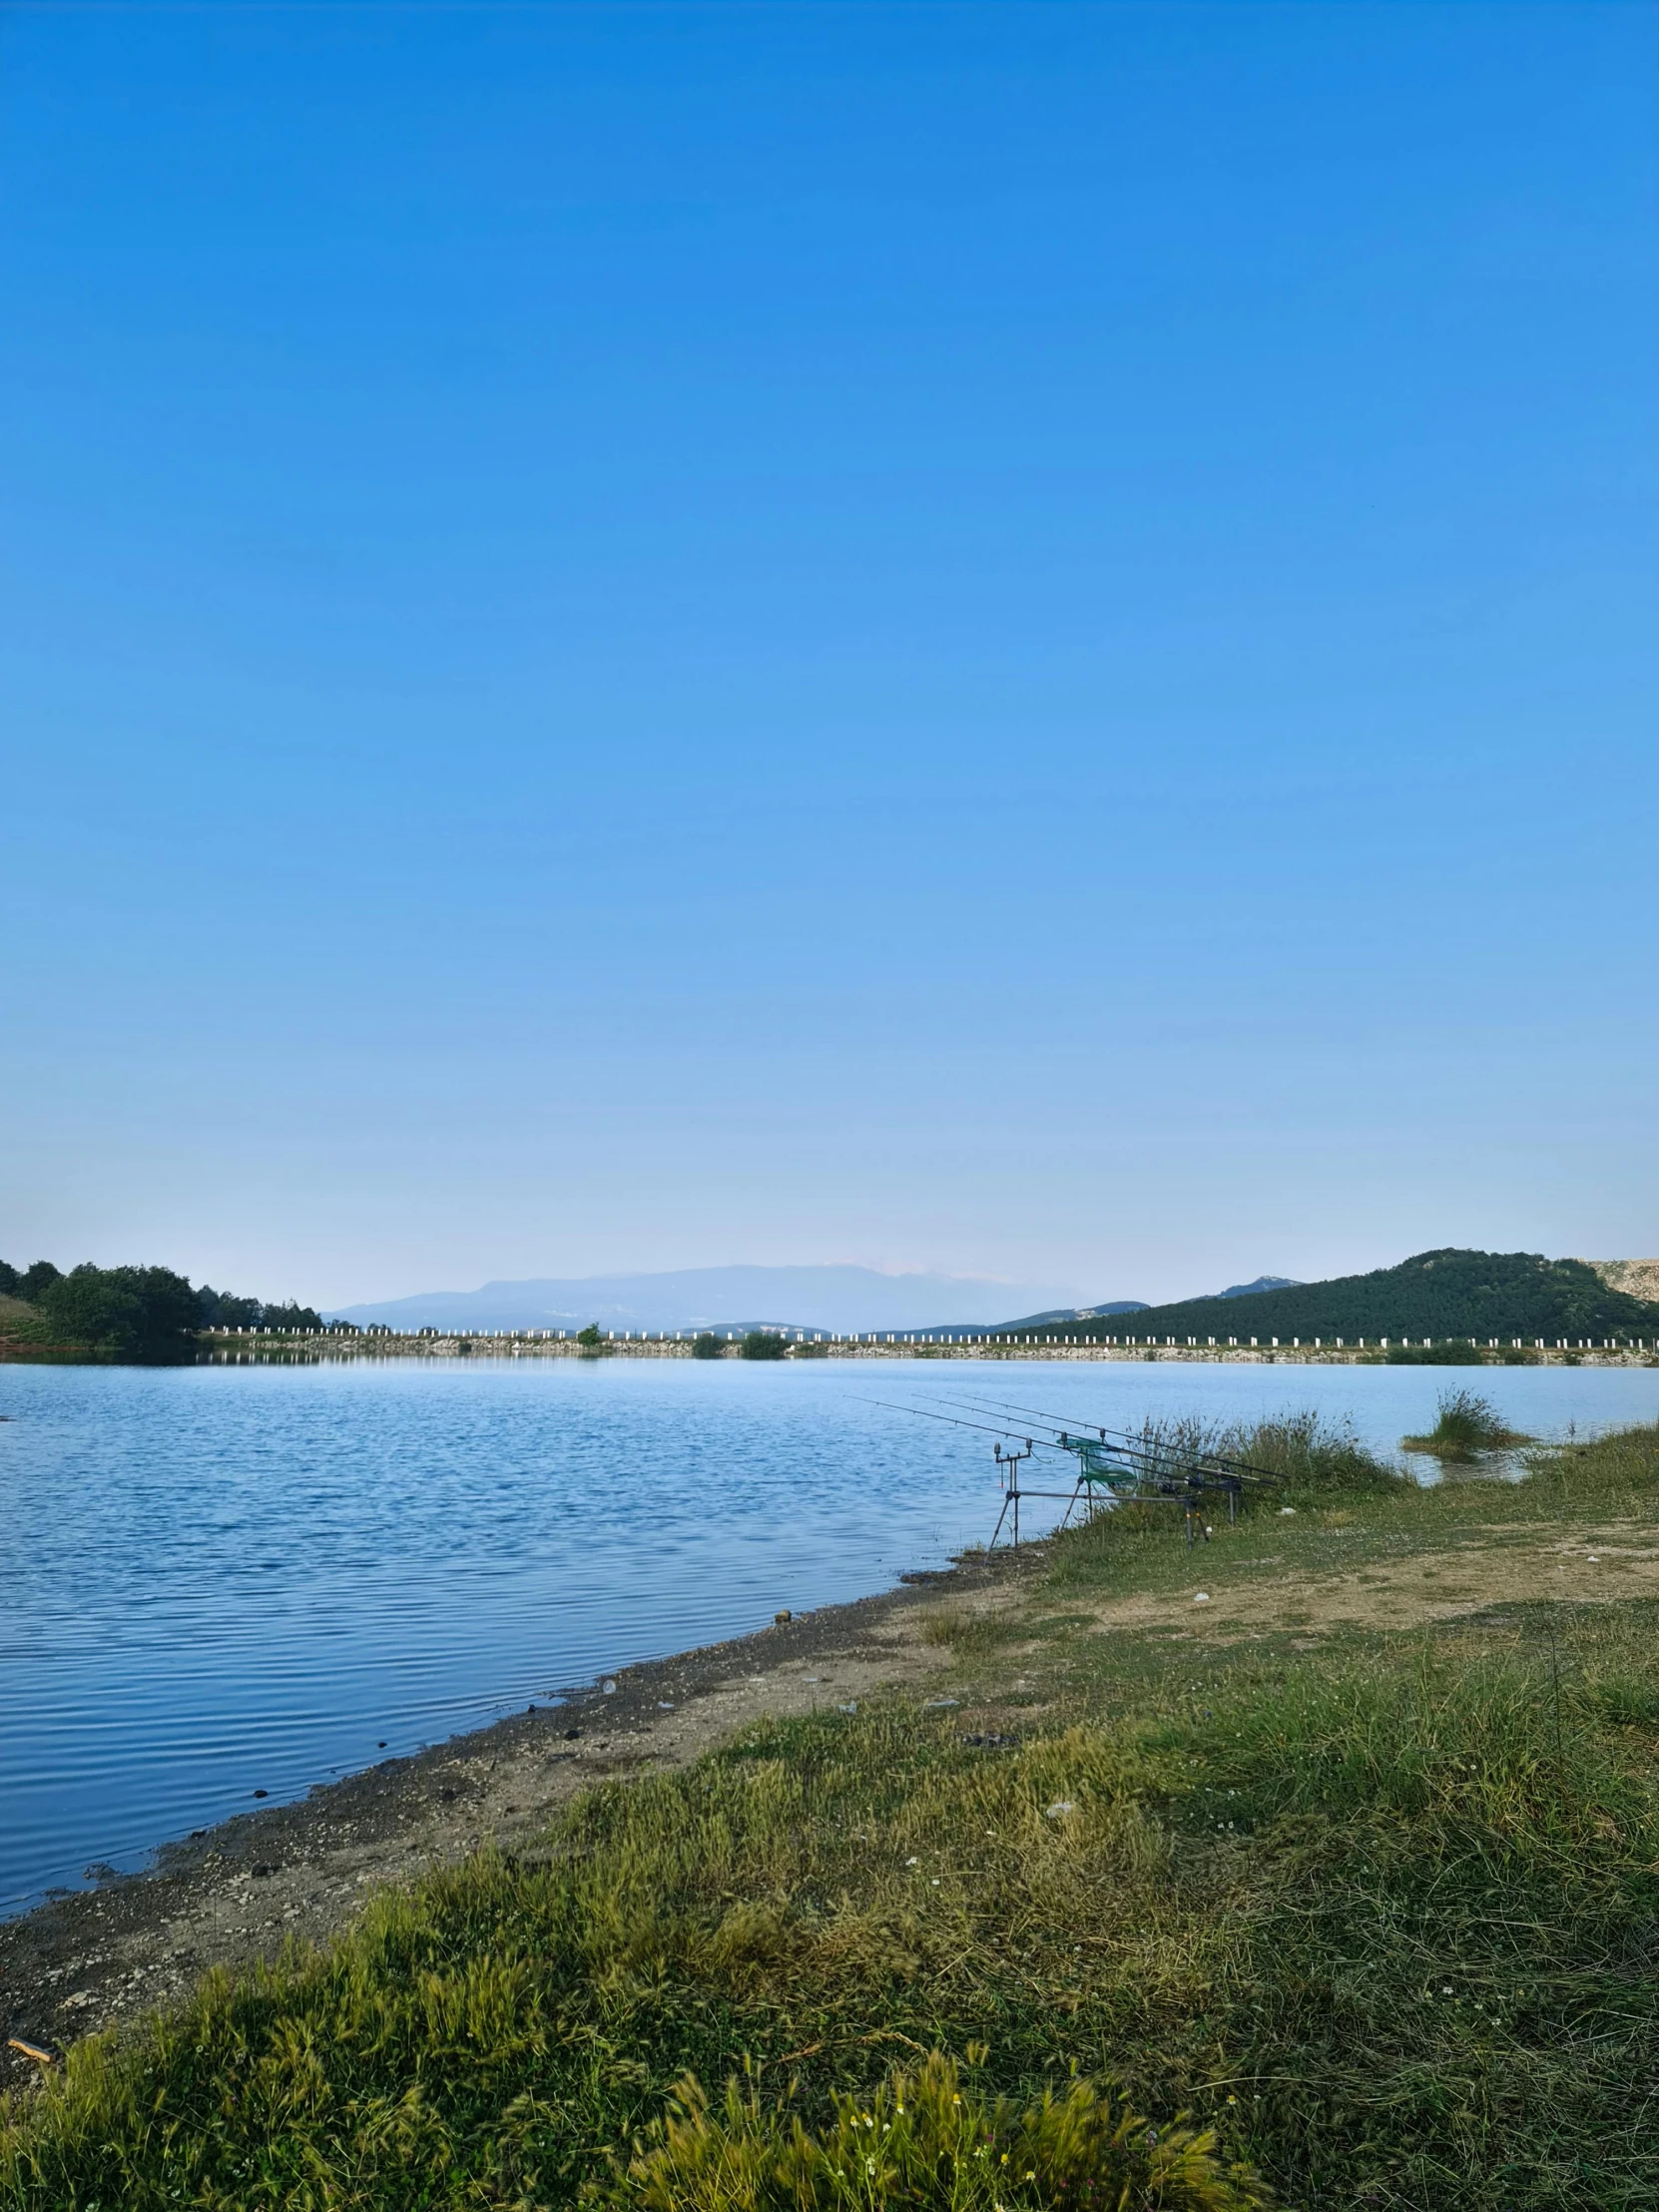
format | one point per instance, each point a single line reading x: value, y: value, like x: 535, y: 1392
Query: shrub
x: 762, y: 1344
x: 705, y: 1345
x: 590, y: 1338
x: 123, y: 1313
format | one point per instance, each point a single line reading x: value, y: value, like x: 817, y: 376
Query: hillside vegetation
x: 1271, y: 1898
x: 122, y: 1314
x: 1434, y: 1293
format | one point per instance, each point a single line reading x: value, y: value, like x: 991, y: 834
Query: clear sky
x: 1015, y: 639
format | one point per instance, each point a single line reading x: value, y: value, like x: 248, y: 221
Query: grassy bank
x: 1370, y: 1900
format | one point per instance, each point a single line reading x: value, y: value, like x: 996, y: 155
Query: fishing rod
x: 1167, y: 1481
x: 1244, y: 1467
x: 1135, y: 1472
x: 1100, y: 1441
x: 1006, y: 1428
x: 1128, y: 1436
x: 987, y: 1429
x: 1151, y: 1484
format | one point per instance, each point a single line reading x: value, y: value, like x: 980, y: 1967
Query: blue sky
x: 1012, y: 640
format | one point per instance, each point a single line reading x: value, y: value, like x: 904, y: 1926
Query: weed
x: 920, y: 2141
x: 965, y: 1631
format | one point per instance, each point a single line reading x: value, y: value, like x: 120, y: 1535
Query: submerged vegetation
x: 1469, y: 1424
x: 1355, y: 1910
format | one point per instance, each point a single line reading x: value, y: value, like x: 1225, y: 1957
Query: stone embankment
x: 230, y: 1345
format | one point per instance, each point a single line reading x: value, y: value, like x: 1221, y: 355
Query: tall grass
x: 1314, y: 1456
x: 1301, y: 1451
x: 1467, y: 1426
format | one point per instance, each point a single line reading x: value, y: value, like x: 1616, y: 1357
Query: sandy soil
x: 1492, y: 1567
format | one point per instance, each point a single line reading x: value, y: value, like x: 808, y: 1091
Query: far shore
x: 228, y: 1347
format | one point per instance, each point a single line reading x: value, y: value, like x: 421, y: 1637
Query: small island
x: 1468, y: 1425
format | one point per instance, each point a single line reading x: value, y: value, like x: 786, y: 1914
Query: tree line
x: 136, y: 1312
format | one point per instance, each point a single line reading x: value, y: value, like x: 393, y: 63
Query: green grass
x: 1380, y: 1917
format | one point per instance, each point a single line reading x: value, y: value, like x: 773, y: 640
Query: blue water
x: 216, y: 1580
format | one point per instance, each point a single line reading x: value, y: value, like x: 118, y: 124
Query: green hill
x: 122, y: 1314
x: 1434, y: 1293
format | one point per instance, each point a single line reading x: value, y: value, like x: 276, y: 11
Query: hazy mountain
x: 842, y: 1298
x: 1060, y: 1316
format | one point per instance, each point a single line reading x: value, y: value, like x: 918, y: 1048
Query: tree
x: 705, y: 1345
x: 762, y: 1344
x: 291, y: 1316
x: 137, y: 1313
x: 142, y: 1314
x: 590, y: 1339
x: 220, y: 1310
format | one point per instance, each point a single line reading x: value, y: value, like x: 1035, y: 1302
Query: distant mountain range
x: 838, y: 1299
x: 843, y: 1300
x: 1067, y: 1317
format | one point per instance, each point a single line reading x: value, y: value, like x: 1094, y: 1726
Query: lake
x: 219, y: 1580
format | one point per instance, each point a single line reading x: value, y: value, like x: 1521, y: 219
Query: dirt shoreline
x: 233, y: 1894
